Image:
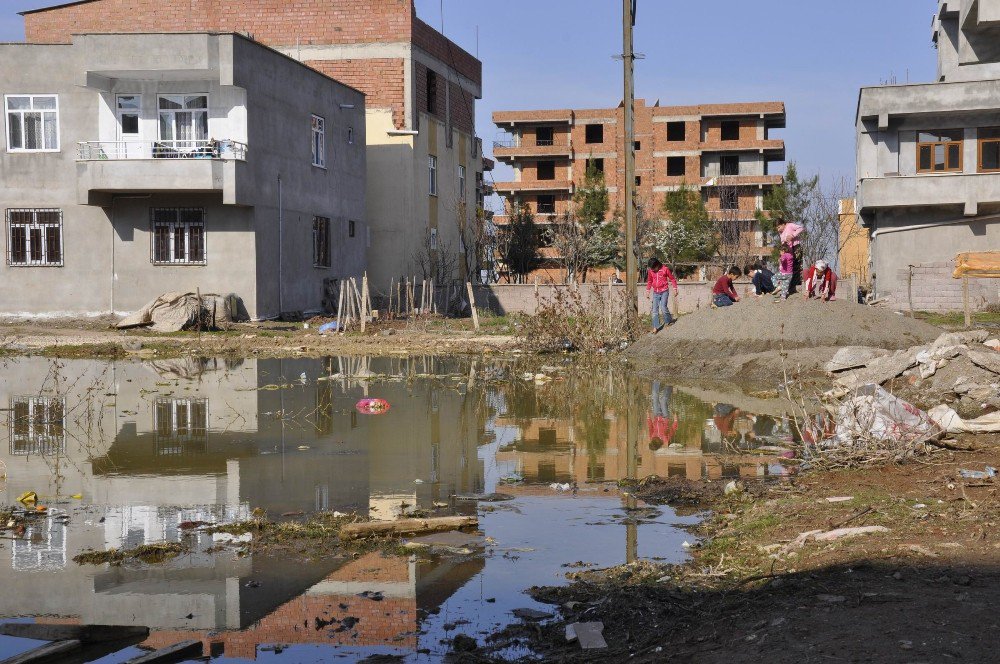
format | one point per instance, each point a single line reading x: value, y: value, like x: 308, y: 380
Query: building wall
x: 256, y: 96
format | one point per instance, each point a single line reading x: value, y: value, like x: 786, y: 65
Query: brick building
x: 424, y: 163
x: 725, y: 150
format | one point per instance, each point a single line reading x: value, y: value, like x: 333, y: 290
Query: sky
x: 814, y: 55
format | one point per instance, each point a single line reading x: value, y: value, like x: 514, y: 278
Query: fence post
x: 965, y: 302
x: 472, y: 305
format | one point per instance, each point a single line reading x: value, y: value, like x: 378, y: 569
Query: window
x: 638, y: 180
x: 350, y: 228
x: 729, y: 164
x: 183, y: 120
x: 461, y: 182
x: 596, y: 163
x: 546, y: 170
x: 939, y: 151
x: 34, y: 237
x: 37, y: 425
x: 675, y: 167
x: 350, y: 135
x: 432, y: 91
x: 546, y: 204
x: 432, y: 175
x: 318, y: 141
x: 178, y: 236
x: 544, y: 136
x: 676, y: 131
x: 637, y: 145
x: 729, y: 199
x: 594, y: 133
x: 128, y: 115
x: 434, y: 239
x: 730, y: 130
x: 989, y: 149
x: 32, y: 123
x: 179, y: 423
x: 321, y: 242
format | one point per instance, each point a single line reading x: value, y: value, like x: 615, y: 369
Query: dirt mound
x: 758, y: 326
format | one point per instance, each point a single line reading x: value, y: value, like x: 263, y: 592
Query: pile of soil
x: 759, y: 340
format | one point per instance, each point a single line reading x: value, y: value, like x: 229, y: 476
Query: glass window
x: 34, y: 237
x: 183, y: 122
x: 461, y: 183
x: 432, y: 176
x: 939, y: 151
x: 32, y: 123
x: 178, y: 236
x: 128, y: 114
x: 318, y: 141
x: 989, y: 149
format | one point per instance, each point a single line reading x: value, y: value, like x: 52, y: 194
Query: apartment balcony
x: 541, y: 218
x: 533, y: 186
x: 111, y: 167
x: 742, y: 181
x: 554, y: 116
x: 773, y: 149
x: 511, y: 150
x: 966, y: 189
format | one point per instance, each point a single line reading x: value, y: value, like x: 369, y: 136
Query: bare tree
x: 572, y: 244
x: 435, y: 259
x: 515, y: 244
x: 737, y: 242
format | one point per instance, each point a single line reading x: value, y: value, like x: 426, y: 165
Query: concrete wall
x: 935, y: 289
x: 257, y: 96
x: 504, y: 299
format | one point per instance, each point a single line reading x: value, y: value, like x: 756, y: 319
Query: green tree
x: 591, y: 205
x: 517, y: 242
x: 687, y: 234
x: 793, y: 200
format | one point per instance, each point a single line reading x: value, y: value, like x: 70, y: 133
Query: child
x: 762, y: 279
x: 786, y: 269
x: 724, y: 292
x: 659, y: 280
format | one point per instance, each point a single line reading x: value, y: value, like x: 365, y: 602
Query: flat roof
x: 59, y: 6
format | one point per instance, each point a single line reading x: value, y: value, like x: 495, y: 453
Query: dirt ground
x: 920, y: 592
x: 94, y: 337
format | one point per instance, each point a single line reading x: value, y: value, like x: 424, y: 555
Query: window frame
x: 432, y: 168
x: 947, y: 149
x: 31, y: 437
x: 317, y: 140
x: 321, y: 243
x: 172, y: 236
x: 7, y: 124
x: 979, y: 149
x: 462, y: 182
x: 175, y: 142
x: 42, y: 227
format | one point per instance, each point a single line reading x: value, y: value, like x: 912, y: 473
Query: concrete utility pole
x: 628, y: 59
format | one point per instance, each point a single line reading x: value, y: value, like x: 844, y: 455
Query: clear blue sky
x: 813, y: 55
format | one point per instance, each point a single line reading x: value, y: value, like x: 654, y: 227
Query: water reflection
x: 126, y: 452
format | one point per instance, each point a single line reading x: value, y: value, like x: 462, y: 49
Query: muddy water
x: 125, y: 452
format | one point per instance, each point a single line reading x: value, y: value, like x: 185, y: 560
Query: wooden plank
x: 50, y: 652
x: 407, y: 526
x: 175, y: 653
x: 82, y: 633
x: 965, y: 303
x: 472, y: 305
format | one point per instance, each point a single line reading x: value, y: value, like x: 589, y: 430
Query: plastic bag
x: 875, y: 414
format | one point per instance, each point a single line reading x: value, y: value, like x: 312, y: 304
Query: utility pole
x: 628, y: 59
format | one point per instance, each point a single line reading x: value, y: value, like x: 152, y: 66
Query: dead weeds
x: 149, y: 554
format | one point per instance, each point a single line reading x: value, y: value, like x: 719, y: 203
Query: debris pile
x: 173, y: 312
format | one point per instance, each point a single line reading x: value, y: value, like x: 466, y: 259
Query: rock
x: 841, y: 533
x: 959, y: 338
x: 985, y: 359
x: 879, y: 370
x: 732, y: 487
x: 993, y: 344
x: 590, y: 635
x: 854, y: 357
x: 388, y: 333
x: 531, y: 614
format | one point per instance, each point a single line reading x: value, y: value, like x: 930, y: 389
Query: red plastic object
x: 372, y: 406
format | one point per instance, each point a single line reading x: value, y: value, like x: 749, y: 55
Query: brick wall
x: 381, y: 79
x: 446, y: 51
x: 934, y: 289
x: 277, y: 22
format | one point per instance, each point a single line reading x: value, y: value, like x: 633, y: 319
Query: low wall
x: 934, y: 289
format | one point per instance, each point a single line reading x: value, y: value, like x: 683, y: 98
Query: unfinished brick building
x: 424, y: 163
x: 725, y: 150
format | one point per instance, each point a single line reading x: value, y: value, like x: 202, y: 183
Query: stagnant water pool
x: 124, y: 452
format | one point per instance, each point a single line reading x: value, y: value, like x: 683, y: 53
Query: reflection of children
x: 725, y: 417
x: 661, y: 426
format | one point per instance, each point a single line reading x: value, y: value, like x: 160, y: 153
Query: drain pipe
x: 281, y: 281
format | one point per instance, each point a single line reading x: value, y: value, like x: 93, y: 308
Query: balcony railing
x: 538, y: 143
x: 116, y: 150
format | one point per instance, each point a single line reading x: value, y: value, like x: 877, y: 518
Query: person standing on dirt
x: 821, y: 282
x: 724, y: 292
x: 790, y: 234
x: 659, y: 280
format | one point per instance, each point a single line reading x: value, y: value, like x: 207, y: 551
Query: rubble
x: 854, y: 357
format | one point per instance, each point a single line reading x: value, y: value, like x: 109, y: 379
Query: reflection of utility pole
x: 631, y: 465
x: 628, y: 59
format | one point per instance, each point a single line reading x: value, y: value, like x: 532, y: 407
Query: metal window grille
x: 178, y: 236
x: 34, y: 237
x: 432, y: 167
x: 37, y: 426
x: 461, y: 183
x: 318, y: 141
x: 181, y: 425
x: 321, y: 242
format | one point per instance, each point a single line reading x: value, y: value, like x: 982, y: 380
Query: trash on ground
x: 590, y: 635
x: 173, y: 312
x: 986, y: 474
x: 876, y: 415
x: 353, y: 531
x: 229, y: 538
x: 28, y: 498
x: 556, y: 486
x: 372, y: 406
x: 839, y: 499
x: 950, y: 422
x: 484, y: 498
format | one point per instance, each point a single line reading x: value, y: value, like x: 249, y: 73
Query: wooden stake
x: 965, y: 303
x: 472, y: 305
x: 340, y: 307
x: 364, y: 302
x: 198, y: 291
x: 909, y: 290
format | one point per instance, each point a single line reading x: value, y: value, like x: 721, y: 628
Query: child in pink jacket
x: 786, y: 270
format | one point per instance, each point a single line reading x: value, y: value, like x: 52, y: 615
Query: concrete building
x: 725, y: 150
x: 928, y: 163
x: 424, y: 162
x: 135, y: 164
